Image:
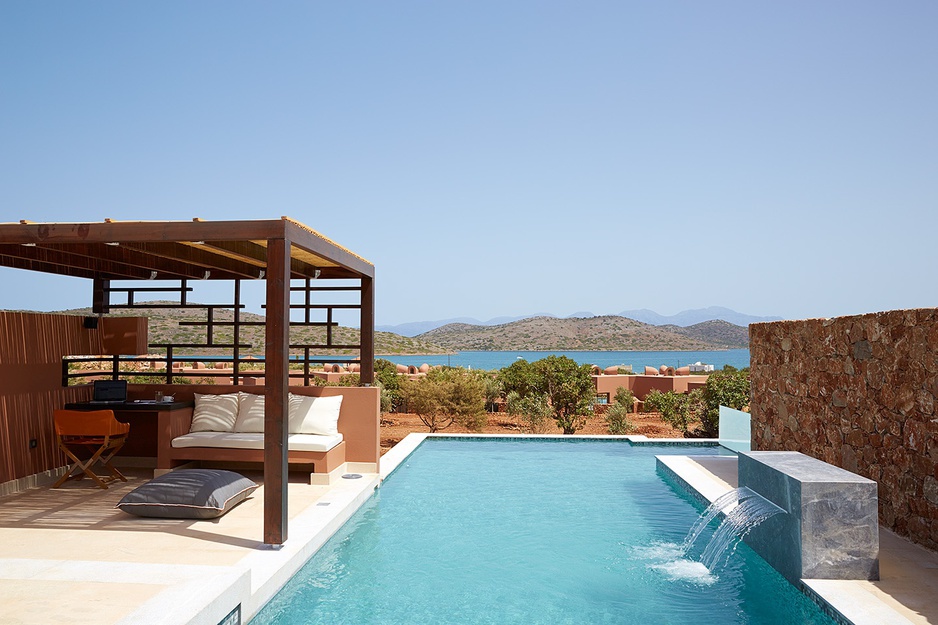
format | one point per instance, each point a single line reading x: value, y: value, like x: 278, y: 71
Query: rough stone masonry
x: 857, y: 392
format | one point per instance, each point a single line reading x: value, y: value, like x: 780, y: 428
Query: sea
x: 738, y: 358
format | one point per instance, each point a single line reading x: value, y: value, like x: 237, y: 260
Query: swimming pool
x: 531, y: 531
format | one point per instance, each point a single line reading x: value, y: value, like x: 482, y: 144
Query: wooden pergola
x: 276, y: 251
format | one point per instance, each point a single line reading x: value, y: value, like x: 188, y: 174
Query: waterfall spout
x: 743, y: 509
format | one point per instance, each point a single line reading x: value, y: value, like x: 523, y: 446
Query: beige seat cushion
x: 214, y: 413
x: 251, y: 440
x: 314, y: 415
x: 250, y: 413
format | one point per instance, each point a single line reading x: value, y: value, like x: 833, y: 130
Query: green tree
x: 493, y: 388
x: 464, y: 397
x: 569, y: 387
x: 445, y: 396
x: 425, y: 397
x: 520, y: 377
x: 729, y: 388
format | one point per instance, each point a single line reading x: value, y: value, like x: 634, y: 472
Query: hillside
x: 717, y: 331
x: 164, y: 328
x: 593, y: 333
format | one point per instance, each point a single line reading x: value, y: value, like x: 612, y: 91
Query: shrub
x: 617, y: 418
x: 729, y: 388
x: 386, y: 376
x: 677, y: 409
x: 387, y: 401
x: 533, y: 410
x: 617, y: 414
x: 625, y: 396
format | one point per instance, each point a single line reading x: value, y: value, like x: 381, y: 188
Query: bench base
x: 322, y: 464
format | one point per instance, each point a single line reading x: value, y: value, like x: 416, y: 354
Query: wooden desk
x: 146, y: 418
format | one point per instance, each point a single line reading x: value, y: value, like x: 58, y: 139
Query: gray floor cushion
x: 189, y: 494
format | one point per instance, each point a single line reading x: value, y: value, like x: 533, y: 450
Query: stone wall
x: 857, y: 392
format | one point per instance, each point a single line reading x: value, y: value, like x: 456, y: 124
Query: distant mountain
x: 716, y: 331
x: 593, y: 333
x: 415, y: 328
x: 691, y: 317
x: 682, y: 319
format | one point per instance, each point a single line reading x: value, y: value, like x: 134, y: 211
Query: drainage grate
x: 351, y: 476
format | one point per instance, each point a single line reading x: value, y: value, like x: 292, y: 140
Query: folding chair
x: 96, y: 432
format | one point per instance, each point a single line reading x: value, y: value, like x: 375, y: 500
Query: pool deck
x: 68, y: 556
x: 907, y: 591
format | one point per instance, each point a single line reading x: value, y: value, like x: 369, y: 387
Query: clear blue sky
x: 500, y: 158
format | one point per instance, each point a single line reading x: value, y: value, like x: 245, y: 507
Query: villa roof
x: 172, y: 250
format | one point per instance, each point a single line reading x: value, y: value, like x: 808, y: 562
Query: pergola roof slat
x: 131, y: 257
x: 133, y: 250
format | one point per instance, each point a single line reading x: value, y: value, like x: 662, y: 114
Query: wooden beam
x: 306, y: 239
x: 276, y: 380
x: 101, y: 297
x: 141, y: 231
x: 367, y: 324
x: 249, y: 252
x: 18, y: 262
x: 56, y: 258
x: 199, y: 259
x: 166, y: 268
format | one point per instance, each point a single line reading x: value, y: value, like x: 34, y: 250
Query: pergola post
x: 276, y: 381
x: 367, y: 325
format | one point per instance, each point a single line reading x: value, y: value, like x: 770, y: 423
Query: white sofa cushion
x: 314, y: 415
x: 251, y: 440
x: 214, y: 413
x: 250, y: 413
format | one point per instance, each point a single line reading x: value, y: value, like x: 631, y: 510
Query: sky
x: 500, y: 158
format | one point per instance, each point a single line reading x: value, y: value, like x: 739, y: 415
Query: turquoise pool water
x: 525, y: 531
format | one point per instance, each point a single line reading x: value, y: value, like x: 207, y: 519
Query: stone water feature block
x: 831, y: 530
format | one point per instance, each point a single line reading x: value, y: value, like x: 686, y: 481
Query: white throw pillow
x: 250, y: 413
x: 314, y: 415
x: 214, y: 413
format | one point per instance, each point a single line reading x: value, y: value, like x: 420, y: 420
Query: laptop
x: 109, y: 392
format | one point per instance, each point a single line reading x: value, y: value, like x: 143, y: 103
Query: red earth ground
x: 395, y: 426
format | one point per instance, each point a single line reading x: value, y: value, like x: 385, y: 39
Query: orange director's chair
x: 96, y: 432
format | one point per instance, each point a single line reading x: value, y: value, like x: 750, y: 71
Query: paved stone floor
x: 69, y: 556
